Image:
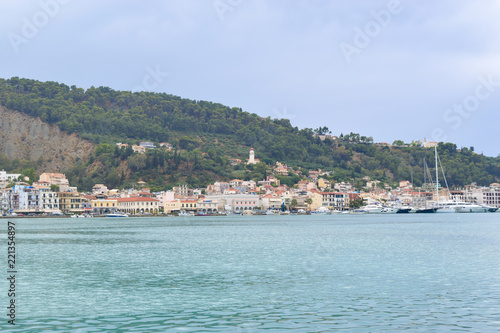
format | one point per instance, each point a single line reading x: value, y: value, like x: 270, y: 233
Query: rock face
x: 24, y: 137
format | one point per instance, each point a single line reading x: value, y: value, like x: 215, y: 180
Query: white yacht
x: 449, y: 206
x: 372, y: 209
x: 470, y: 208
x: 490, y: 208
x: 389, y: 210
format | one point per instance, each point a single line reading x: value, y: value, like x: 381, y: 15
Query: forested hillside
x: 205, y: 135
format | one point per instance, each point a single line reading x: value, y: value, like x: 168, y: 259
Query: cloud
x: 269, y: 54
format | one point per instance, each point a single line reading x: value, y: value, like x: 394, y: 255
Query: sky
x: 390, y: 69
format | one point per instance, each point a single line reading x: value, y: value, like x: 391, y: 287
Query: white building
x: 24, y: 199
x: 49, y: 201
x: 5, y: 178
x: 488, y: 196
x: 235, y: 202
x: 335, y: 200
x: 208, y: 206
x: 251, y: 157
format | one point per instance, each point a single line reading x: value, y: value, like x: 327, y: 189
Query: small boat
x: 404, y: 210
x: 116, y: 215
x: 426, y: 210
x: 184, y: 213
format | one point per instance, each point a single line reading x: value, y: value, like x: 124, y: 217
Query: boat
x: 372, y: 209
x: 491, y: 209
x: 447, y: 207
x: 322, y: 210
x: 404, y: 210
x: 451, y: 207
x: 471, y: 208
x: 184, y: 213
x: 116, y: 215
x: 389, y: 210
x: 426, y: 210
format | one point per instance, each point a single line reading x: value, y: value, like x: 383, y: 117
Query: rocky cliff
x: 24, y: 137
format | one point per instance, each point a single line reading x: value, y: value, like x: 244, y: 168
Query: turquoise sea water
x: 357, y: 273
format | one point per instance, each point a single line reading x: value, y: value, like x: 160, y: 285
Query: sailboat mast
x: 437, y: 188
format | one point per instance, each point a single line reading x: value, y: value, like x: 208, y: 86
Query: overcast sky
x: 409, y: 69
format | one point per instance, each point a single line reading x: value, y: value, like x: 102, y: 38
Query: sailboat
x: 451, y: 206
x: 426, y: 210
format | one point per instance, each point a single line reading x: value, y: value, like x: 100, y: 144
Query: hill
x: 206, y: 134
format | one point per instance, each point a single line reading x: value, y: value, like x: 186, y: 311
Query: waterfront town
x: 52, y: 194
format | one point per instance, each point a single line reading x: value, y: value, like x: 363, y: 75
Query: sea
x: 317, y: 273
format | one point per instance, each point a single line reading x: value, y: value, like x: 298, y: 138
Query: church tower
x: 251, y: 157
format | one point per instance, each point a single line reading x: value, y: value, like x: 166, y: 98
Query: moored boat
x: 426, y: 210
x: 116, y: 215
x: 471, y: 208
x: 389, y: 210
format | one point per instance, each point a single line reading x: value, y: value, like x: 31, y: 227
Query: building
x: 102, y: 206
x: 488, y: 196
x: 138, y: 205
x: 165, y: 197
x: 323, y: 183
x: 316, y: 198
x: 5, y: 178
x: 99, y: 189
x: 139, y: 149
x: 429, y: 144
x: 173, y: 206
x: 271, y: 201
x: 240, y: 203
x: 282, y: 170
x: 181, y: 191
x: 405, y: 184
x: 189, y: 205
x: 335, y: 200
x: 55, y: 178
x: 49, y: 200
x: 71, y: 202
x: 23, y: 199
x: 147, y: 144
x: 251, y: 157
x: 208, y: 206
x: 234, y: 161
x: 167, y: 145
x: 235, y: 202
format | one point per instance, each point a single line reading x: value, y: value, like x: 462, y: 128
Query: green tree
x: 30, y: 173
